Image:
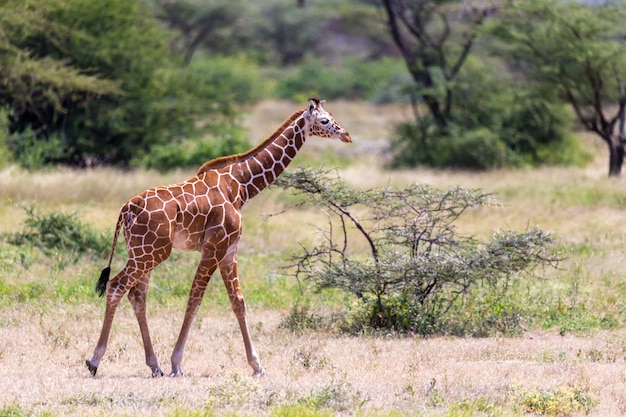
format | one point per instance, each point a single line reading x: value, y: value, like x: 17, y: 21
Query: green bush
x: 193, y: 153
x: 59, y: 233
x: 5, y: 153
x: 495, y: 124
x: 478, y: 149
x: 378, y: 81
x: 222, y: 80
x: 558, y: 402
x: 419, y: 275
x: 107, y: 88
x: 32, y: 152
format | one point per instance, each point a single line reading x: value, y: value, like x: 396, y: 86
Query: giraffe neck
x: 261, y: 169
x: 256, y: 169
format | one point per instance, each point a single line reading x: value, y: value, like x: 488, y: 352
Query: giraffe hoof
x: 92, y: 368
x: 176, y: 371
x: 258, y: 373
x: 157, y: 372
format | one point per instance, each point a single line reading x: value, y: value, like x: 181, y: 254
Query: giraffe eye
x: 324, y: 121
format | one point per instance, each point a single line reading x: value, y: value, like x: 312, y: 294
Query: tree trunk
x: 616, y: 156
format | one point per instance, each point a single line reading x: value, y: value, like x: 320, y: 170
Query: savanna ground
x: 572, y: 365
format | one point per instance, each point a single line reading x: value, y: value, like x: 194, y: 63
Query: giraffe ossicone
x: 201, y: 214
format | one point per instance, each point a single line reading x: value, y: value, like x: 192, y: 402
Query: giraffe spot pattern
x: 203, y: 214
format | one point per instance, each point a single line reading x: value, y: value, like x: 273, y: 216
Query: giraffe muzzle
x: 345, y: 137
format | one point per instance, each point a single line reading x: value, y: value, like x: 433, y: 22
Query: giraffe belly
x: 187, y: 241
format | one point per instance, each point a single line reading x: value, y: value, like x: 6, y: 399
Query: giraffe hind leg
x: 92, y: 364
x: 137, y: 298
x: 115, y: 290
x: 101, y: 347
x: 92, y: 368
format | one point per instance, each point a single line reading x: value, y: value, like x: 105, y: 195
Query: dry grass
x: 43, y: 345
x: 42, y: 353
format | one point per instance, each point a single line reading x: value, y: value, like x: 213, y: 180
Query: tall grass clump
x: 416, y: 273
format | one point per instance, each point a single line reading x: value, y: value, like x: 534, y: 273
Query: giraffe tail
x: 101, y: 285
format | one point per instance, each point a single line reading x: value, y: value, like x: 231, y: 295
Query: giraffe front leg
x: 201, y: 280
x: 137, y: 298
x: 231, y: 280
x: 251, y: 355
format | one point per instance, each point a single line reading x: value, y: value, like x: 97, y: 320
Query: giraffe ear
x: 309, y: 112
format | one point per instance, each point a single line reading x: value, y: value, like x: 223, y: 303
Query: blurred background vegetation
x: 161, y: 83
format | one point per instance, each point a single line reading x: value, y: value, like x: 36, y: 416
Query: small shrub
x: 59, y: 232
x: 337, y: 395
x: 18, y: 411
x: 301, y: 319
x: 32, y: 152
x: 478, y: 406
x: 5, y: 152
x: 559, y: 402
x: 299, y: 411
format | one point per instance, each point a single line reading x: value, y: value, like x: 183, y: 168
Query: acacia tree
x: 435, y: 38
x: 576, y: 50
x: 417, y: 266
x: 200, y: 23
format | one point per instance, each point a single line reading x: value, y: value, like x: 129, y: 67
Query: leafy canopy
x: 95, y: 83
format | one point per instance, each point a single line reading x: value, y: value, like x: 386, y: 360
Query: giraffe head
x: 321, y: 123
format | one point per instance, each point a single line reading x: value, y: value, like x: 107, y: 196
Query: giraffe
x: 201, y: 214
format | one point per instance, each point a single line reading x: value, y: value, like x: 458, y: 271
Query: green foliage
x: 301, y: 318
x: 561, y: 401
x: 379, y: 81
x: 107, y: 89
x: 276, y: 33
x: 30, y: 151
x: 189, y: 153
x: 299, y: 411
x: 223, y: 80
x: 337, y: 395
x: 59, y: 232
x: 495, y: 124
x: 214, y: 24
x: 5, y: 153
x: 192, y: 413
x: 581, y: 47
x: 478, y: 149
x: 573, y: 51
x: 32, y: 78
x: 476, y: 407
x: 18, y: 411
x: 420, y: 275
x: 288, y: 33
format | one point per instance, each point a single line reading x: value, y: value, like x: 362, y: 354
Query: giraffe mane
x: 233, y: 159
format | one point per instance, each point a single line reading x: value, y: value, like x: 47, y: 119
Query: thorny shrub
x: 419, y: 274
